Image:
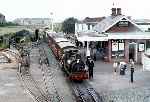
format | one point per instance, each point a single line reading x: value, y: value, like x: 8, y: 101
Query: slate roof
x: 93, y: 20
x: 141, y: 20
x: 110, y: 21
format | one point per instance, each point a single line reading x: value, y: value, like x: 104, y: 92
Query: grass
x: 3, y: 46
x: 10, y: 29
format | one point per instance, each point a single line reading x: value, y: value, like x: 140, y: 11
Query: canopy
x: 91, y: 36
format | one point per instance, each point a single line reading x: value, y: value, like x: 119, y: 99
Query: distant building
x: 33, y: 21
x: 2, y: 18
x: 87, y: 24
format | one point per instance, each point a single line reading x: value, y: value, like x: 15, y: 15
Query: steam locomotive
x: 67, y: 54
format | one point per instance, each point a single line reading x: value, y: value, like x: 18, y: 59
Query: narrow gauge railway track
x: 84, y: 93
x: 31, y: 86
x: 48, y: 73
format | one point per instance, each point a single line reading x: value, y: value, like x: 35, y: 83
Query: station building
x: 123, y: 37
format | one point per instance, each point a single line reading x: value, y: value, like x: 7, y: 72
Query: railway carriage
x: 67, y: 54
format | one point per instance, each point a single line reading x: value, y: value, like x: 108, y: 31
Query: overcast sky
x: 72, y: 8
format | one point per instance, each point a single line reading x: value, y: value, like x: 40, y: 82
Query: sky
x: 138, y: 9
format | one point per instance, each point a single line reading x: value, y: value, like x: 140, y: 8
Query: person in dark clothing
x: 37, y: 34
x: 90, y: 64
x: 77, y: 43
x: 132, y: 69
x: 77, y: 65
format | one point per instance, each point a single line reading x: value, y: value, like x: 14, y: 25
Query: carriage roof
x: 56, y: 35
x: 66, y: 45
x: 61, y: 40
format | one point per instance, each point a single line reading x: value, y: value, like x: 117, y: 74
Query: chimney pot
x: 113, y: 12
x: 118, y: 11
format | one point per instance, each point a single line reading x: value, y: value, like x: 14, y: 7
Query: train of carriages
x: 67, y: 54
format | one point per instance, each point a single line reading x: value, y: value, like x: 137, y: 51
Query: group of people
x: 123, y: 67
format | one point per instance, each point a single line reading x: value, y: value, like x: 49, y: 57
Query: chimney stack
x: 113, y: 13
x: 118, y: 11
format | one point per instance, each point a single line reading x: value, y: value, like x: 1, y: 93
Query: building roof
x: 141, y: 21
x: 93, y: 20
x: 110, y: 21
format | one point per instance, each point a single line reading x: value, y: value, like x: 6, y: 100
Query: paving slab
x: 11, y: 89
x: 118, y: 88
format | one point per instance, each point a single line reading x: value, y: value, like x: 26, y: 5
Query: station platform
x: 114, y: 87
x: 11, y: 89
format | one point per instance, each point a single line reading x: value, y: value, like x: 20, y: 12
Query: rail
x: 47, y: 72
x: 31, y: 85
x: 84, y: 92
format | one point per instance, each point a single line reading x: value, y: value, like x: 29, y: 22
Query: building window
x: 118, y: 48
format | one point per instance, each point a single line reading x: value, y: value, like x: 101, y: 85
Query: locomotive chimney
x: 118, y: 11
x: 113, y: 12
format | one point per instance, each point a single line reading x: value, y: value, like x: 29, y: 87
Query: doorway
x: 132, y: 51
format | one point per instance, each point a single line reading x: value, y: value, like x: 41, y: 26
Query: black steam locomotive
x: 67, y: 54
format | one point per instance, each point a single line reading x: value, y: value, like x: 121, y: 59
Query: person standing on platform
x: 90, y: 64
x: 115, y: 65
x: 132, y: 69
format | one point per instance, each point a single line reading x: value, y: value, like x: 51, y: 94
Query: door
x: 132, y: 51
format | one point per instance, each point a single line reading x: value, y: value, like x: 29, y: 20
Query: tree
x: 8, y: 24
x: 58, y: 27
x: 68, y: 25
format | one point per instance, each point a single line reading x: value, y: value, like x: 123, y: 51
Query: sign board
x: 114, y: 46
x: 121, y: 46
x: 141, y: 47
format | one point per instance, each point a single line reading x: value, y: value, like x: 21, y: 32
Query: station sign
x: 141, y: 46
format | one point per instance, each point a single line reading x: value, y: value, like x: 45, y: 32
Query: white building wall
x: 82, y: 27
